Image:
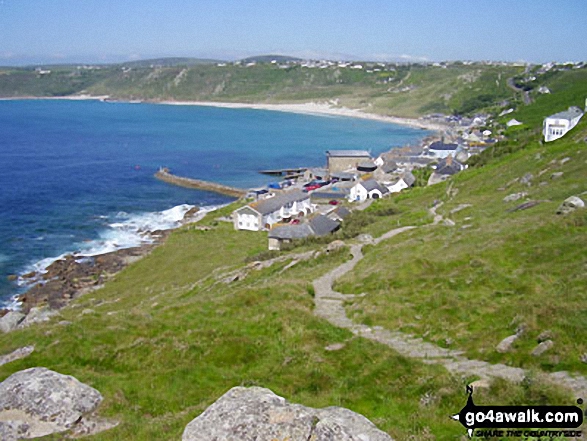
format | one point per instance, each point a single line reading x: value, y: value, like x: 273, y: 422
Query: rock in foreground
x: 37, y: 402
x: 257, y: 414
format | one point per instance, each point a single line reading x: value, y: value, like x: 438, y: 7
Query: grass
x: 495, y: 271
x: 161, y: 343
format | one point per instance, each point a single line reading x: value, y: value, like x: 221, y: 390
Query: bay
x: 78, y: 175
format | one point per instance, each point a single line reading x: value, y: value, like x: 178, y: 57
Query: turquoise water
x: 78, y: 176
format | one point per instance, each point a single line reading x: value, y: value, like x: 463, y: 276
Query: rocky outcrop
x: 17, y: 354
x: 38, y: 402
x: 570, y: 204
x: 251, y: 414
x: 10, y: 321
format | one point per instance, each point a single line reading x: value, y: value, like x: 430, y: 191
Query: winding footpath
x: 329, y: 305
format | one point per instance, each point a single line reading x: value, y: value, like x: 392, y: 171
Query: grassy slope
x: 164, y: 340
x: 475, y: 283
x: 430, y: 89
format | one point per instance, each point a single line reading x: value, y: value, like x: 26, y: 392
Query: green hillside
x: 400, y: 90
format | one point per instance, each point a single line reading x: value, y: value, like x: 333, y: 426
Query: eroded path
x: 329, y: 305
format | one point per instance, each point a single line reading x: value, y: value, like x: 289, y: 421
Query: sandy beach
x: 314, y: 108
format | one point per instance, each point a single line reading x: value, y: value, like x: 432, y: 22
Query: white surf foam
x: 128, y: 231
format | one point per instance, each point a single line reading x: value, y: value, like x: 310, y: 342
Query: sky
x: 94, y: 31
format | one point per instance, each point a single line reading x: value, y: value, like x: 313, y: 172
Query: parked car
x: 334, y: 202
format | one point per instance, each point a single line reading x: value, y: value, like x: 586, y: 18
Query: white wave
x: 129, y: 230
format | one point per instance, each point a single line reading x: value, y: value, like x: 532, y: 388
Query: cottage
x: 343, y: 160
x: 262, y: 214
x: 319, y: 225
x: 405, y: 181
x: 368, y: 189
x: 444, y: 170
x: 441, y: 150
x: 556, y: 126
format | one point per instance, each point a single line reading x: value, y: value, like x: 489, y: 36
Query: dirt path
x: 329, y: 305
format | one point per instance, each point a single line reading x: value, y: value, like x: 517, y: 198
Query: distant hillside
x: 269, y: 58
x: 171, y: 62
x: 389, y: 89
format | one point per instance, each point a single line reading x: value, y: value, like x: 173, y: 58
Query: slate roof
x: 319, y: 225
x: 388, y: 167
x: 448, y: 166
x: 290, y: 232
x: 570, y: 113
x: 372, y: 184
x: 439, y: 145
x: 409, y: 178
x: 347, y: 153
x: 273, y: 204
x: 323, y: 225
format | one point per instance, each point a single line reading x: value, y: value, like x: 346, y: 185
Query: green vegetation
x: 167, y: 336
x: 400, y: 90
x: 497, y: 270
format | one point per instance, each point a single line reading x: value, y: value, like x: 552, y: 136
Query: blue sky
x: 42, y: 31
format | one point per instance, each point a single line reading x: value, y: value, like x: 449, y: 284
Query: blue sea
x: 77, y: 176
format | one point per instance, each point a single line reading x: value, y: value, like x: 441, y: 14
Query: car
x: 334, y: 202
x: 311, y: 187
x: 295, y: 222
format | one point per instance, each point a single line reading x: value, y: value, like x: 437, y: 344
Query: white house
x: 262, y: 214
x: 556, y: 126
x: 441, y: 150
x: 405, y: 181
x: 368, y: 189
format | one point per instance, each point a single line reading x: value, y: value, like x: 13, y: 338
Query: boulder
x: 506, y: 344
x: 570, y: 204
x: 545, y: 335
x: 527, y: 179
x: 44, y: 402
x: 11, y: 320
x: 251, y: 414
x: 17, y: 354
x: 515, y: 196
x: 335, y: 245
x: 38, y: 315
x: 542, y: 348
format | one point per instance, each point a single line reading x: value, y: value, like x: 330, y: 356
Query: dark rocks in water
x: 251, y: 414
x: 66, y: 278
x: 12, y: 277
x: 191, y: 213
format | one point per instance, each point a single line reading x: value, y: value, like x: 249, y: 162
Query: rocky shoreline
x: 72, y: 276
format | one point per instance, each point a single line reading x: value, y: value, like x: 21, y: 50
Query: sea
x: 78, y: 176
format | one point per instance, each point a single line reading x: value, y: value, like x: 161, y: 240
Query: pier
x: 288, y: 172
x: 164, y: 175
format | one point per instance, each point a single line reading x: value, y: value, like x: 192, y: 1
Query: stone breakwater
x: 164, y: 175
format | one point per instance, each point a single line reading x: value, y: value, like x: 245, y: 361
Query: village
x: 315, y: 201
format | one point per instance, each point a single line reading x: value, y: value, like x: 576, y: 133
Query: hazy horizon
x: 105, y: 31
